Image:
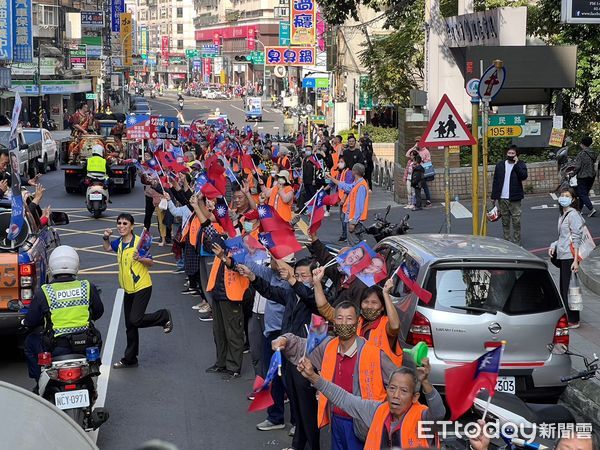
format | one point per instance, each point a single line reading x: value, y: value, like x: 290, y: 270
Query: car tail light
x: 420, y: 330
x: 26, y: 274
x: 561, y: 332
x: 70, y: 171
x: 44, y: 359
x: 70, y: 387
x: 118, y: 172
x: 69, y: 374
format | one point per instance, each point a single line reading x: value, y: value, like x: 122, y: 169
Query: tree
x: 336, y: 12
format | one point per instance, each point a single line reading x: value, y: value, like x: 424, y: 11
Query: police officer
x: 96, y: 164
x: 61, y: 309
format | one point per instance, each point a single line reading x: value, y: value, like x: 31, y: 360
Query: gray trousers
x: 228, y: 332
x: 256, y: 337
x: 511, y: 215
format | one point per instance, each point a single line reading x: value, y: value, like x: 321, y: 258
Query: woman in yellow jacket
x: 135, y: 280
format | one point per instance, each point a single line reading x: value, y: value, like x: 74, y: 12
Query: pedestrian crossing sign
x: 446, y: 127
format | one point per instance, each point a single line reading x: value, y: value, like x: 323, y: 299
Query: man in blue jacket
x: 507, y: 192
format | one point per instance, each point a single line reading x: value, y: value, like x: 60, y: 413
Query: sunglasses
x: 122, y: 223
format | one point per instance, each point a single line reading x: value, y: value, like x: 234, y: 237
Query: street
x: 169, y: 396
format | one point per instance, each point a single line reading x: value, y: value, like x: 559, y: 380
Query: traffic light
x: 241, y: 59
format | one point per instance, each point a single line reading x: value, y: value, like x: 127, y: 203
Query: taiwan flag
x: 247, y: 163
x: 270, y: 220
x: 215, y: 172
x: 222, y: 215
x: 210, y: 191
x: 318, y: 211
x: 464, y: 382
x: 404, y: 274
x: 331, y: 199
x: 262, y: 388
x: 280, y: 243
x: 144, y: 243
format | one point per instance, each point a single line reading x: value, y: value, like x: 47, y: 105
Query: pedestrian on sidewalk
x: 507, y: 192
x: 585, y: 162
x: 135, y: 279
x: 570, y: 231
x: 417, y: 181
x: 425, y: 158
x: 408, y: 171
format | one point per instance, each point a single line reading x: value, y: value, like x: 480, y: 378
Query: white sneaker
x: 326, y: 213
x: 267, y: 425
x: 198, y: 306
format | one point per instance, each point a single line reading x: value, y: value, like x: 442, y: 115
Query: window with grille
x: 179, y: 12
x: 179, y: 28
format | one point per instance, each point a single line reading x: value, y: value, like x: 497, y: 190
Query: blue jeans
x: 180, y: 263
x: 33, y: 346
x: 276, y: 411
x: 342, y: 434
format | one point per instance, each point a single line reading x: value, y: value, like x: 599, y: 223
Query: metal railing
x: 383, y: 173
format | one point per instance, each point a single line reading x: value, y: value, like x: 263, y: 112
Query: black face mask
x: 510, y: 159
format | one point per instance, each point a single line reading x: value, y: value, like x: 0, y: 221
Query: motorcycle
x: 152, y: 93
x: 566, y: 169
x: 96, y: 196
x: 181, y: 104
x: 510, y: 413
x: 381, y: 228
x: 69, y: 382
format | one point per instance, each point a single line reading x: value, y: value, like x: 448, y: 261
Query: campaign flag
x: 262, y: 388
x: 270, y: 220
x: 222, y: 215
x: 276, y: 151
x: 315, y: 161
x: 178, y: 152
x: 356, y: 259
x: 16, y: 203
x: 145, y: 243
x: 465, y: 381
x: 375, y: 272
x: 318, y: 212
x: 237, y: 249
x: 280, y: 243
x: 404, y: 275
x: 253, y: 243
x: 317, y: 333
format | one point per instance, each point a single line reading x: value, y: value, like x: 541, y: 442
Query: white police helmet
x: 64, y: 260
x: 97, y: 150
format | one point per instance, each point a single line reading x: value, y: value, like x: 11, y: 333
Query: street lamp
x: 264, y: 68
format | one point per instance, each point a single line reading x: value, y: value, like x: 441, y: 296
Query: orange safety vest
x: 351, y: 200
x: 369, y: 373
x: 335, y: 156
x: 270, y: 181
x: 341, y: 193
x: 191, y: 229
x: 283, y: 162
x: 283, y: 209
x: 235, y: 284
x: 378, y: 337
x: 409, y: 431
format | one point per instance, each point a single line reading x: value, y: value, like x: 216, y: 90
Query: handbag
x: 573, y: 181
x: 585, y: 247
x: 163, y: 204
x: 575, y: 299
x: 429, y: 173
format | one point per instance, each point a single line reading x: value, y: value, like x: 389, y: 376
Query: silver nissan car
x: 483, y: 291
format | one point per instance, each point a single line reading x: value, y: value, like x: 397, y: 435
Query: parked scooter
x: 96, y: 196
x: 566, y: 168
x: 381, y: 228
x: 69, y: 382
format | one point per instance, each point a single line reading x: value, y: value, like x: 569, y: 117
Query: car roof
x: 460, y: 246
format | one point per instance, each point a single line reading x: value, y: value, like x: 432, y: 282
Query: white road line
x: 459, y: 211
x: 553, y: 195
x: 163, y: 103
x: 107, y: 354
x: 238, y: 108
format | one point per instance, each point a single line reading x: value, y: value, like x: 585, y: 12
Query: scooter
x: 96, y: 196
x: 566, y: 168
x: 381, y: 228
x: 69, y: 382
x: 152, y: 93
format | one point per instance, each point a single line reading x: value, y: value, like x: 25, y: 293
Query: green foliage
x: 497, y: 152
x: 377, y: 134
x: 336, y: 12
x: 395, y: 62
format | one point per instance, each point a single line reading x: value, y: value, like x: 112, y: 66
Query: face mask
x: 341, y: 165
x: 510, y: 158
x: 308, y: 284
x: 344, y: 331
x: 248, y: 227
x: 308, y: 152
x: 370, y: 313
x: 565, y: 201
x: 273, y: 173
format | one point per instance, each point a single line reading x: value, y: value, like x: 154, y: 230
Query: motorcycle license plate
x: 95, y: 196
x: 118, y: 180
x: 506, y: 384
x: 72, y: 399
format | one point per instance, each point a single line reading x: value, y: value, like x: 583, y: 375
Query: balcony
x: 204, y: 20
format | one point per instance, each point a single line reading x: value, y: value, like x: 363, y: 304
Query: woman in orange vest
x: 272, y: 178
x: 393, y: 423
x: 281, y: 196
x: 283, y: 162
x: 378, y: 323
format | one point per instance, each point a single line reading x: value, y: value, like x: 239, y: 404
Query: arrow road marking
x: 459, y: 211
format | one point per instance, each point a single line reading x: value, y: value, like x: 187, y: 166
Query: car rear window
x: 478, y: 290
x: 32, y: 136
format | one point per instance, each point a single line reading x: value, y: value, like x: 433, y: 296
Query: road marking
x: 544, y: 206
x: 162, y: 103
x: 459, y: 211
x: 238, y: 108
x: 554, y: 197
x: 107, y: 354
x: 114, y: 272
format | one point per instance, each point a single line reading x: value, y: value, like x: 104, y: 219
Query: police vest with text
x: 96, y: 164
x: 69, y: 304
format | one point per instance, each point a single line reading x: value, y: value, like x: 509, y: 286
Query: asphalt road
x: 169, y: 396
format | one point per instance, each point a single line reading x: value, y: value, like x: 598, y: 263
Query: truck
x: 29, y: 152
x: 253, y: 109
x: 122, y: 171
x: 24, y: 263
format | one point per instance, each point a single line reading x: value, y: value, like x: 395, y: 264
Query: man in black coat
x: 507, y: 192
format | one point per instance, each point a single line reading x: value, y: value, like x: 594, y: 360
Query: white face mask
x: 273, y: 173
x: 281, y: 182
x: 342, y: 165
